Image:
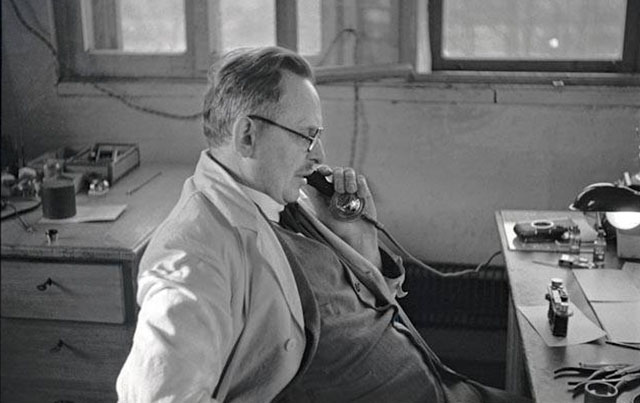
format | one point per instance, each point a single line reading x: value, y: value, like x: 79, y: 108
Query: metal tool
x: 616, y: 375
x: 135, y: 189
x: 585, y: 368
x: 625, y: 345
x: 631, y: 369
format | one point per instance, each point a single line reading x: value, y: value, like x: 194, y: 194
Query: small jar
x: 574, y: 241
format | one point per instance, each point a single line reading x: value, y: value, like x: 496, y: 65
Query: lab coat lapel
x: 218, y: 186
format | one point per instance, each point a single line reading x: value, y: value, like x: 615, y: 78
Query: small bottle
x: 574, y: 241
x: 599, y: 249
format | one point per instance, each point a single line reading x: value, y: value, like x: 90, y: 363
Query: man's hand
x: 360, y: 234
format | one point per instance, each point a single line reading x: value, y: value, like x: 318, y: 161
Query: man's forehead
x: 301, y: 102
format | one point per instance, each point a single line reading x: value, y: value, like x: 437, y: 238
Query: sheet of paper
x: 587, y: 233
x: 633, y: 270
x: 607, y: 285
x: 580, y: 330
x: 105, y: 212
x: 621, y: 320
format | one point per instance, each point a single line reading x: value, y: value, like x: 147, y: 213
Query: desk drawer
x: 59, y: 393
x: 66, y: 291
x: 59, y: 353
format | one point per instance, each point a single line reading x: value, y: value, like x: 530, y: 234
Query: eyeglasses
x: 312, y: 137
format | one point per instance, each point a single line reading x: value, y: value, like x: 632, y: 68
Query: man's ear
x: 244, y: 136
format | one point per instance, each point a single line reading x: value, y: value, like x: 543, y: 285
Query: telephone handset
x: 343, y: 206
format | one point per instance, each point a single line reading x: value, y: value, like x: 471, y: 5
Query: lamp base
x: 628, y: 243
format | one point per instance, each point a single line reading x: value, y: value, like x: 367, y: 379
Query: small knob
x: 45, y: 285
x: 58, y: 346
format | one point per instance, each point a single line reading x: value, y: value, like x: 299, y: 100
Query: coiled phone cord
x: 417, y: 262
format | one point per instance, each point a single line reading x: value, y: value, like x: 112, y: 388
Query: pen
x: 626, y: 345
x: 135, y: 189
x: 542, y: 262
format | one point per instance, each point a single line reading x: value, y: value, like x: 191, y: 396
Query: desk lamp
x: 621, y: 205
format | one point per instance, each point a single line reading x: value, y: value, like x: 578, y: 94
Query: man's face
x: 283, y: 160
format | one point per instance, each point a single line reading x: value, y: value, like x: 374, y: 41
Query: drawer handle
x: 45, y: 285
x: 58, y: 347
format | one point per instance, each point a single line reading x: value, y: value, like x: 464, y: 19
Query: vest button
x: 290, y: 344
x: 357, y: 286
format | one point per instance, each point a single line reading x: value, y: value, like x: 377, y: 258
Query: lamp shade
x: 623, y: 219
x: 607, y: 197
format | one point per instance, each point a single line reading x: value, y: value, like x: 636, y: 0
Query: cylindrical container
x: 58, y: 198
x: 600, y: 392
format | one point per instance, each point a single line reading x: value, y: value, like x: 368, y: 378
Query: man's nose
x: 317, y: 154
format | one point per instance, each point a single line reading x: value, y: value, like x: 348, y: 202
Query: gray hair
x: 246, y: 81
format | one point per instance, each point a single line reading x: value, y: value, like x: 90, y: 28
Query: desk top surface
x: 527, y: 284
x: 147, y: 206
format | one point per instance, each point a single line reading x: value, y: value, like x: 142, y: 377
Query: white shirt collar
x: 269, y: 207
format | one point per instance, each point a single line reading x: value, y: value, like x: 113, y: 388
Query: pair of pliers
x: 584, y: 369
x: 630, y: 369
x: 617, y: 382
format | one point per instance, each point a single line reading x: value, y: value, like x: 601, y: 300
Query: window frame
x: 420, y: 24
x: 630, y: 62
x: 78, y: 62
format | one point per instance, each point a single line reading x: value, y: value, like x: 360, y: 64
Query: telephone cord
x: 419, y: 263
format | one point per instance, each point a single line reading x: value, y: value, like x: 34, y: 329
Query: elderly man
x: 242, y: 300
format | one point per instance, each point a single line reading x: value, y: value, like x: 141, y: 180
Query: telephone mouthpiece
x: 345, y: 206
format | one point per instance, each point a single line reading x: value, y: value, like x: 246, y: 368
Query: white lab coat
x: 220, y: 311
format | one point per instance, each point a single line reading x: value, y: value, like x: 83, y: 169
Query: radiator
x: 471, y: 301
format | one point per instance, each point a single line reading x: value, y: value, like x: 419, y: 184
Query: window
x: 132, y: 38
x: 535, y: 35
x: 180, y: 38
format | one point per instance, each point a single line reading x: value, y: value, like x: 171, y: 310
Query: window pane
x: 309, y: 27
x: 378, y: 30
x: 138, y: 26
x: 247, y: 23
x: 534, y: 29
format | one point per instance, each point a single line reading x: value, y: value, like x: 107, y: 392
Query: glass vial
x: 574, y: 241
x: 599, y: 249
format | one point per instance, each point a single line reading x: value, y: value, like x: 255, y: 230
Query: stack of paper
x: 615, y: 300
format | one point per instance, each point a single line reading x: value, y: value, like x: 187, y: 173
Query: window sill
x: 165, y: 88
x: 530, y: 78
x: 565, y: 87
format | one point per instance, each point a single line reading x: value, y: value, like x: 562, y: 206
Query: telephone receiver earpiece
x: 343, y: 206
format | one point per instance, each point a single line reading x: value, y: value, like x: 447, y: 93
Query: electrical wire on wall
x: 356, y: 88
x: 109, y: 92
x: 124, y: 99
x: 356, y: 107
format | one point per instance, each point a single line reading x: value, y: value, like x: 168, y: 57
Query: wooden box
x: 107, y: 160
x: 59, y: 155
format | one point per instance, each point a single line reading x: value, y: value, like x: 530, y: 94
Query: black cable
x: 356, y: 126
x: 419, y: 263
x: 32, y: 30
x: 26, y: 226
x: 356, y: 105
x: 333, y: 43
x: 145, y: 109
x: 112, y: 94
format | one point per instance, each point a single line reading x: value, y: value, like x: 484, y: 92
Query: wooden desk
x: 67, y: 339
x: 530, y: 362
